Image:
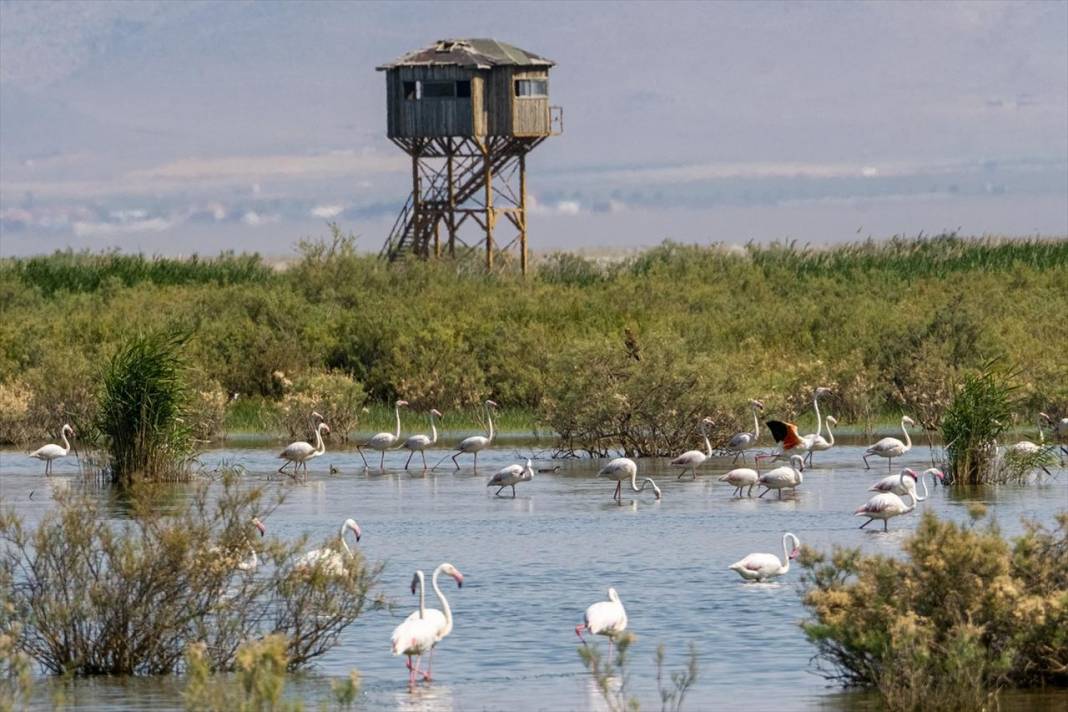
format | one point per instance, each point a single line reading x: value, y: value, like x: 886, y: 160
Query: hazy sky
x: 175, y: 127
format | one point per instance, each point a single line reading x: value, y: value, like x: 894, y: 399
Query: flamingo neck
x: 489, y: 417
x: 66, y: 443
x: 422, y: 594
x: 344, y: 543
x: 908, y: 440
x: 444, y: 603
x: 396, y: 412
x: 756, y: 424
x: 926, y: 492
x: 320, y: 447
x: 819, y: 419
x: 830, y: 434
x: 704, y: 434
x: 785, y: 555
x: 433, y: 431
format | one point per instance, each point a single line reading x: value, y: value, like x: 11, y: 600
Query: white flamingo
x: 607, y: 618
x: 51, y: 452
x: 419, y: 443
x: 892, y: 483
x: 887, y: 505
x: 740, y: 478
x: 891, y: 447
x: 743, y: 441
x: 383, y: 441
x: 1059, y: 429
x: 761, y: 567
x: 415, y: 635
x: 252, y: 562
x: 298, y: 453
x: 692, y: 459
x: 440, y: 620
x: 331, y: 561
x: 817, y: 443
x: 476, y: 443
x: 785, y: 477
x: 511, y: 476
x: 623, y: 468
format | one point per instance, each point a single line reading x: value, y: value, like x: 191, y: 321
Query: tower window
x: 463, y: 89
x: 438, y: 90
x: 531, y: 87
x: 410, y: 91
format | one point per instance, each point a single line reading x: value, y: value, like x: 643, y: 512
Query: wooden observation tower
x: 467, y: 112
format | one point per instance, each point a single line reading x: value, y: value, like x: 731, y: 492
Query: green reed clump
x: 143, y: 405
x: 612, y: 673
x: 962, y: 615
x: 976, y: 417
x: 90, y: 595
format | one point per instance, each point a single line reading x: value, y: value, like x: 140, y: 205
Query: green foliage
x: 975, y: 419
x: 93, y: 596
x: 335, y: 396
x: 965, y: 614
x: 143, y: 406
x: 261, y: 668
x: 887, y: 325
x: 612, y: 676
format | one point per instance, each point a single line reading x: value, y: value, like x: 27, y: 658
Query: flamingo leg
x: 360, y: 450
x: 890, y: 465
x: 476, y: 460
x: 780, y: 493
x: 578, y: 631
x: 429, y: 666
x: 750, y: 490
x: 409, y: 460
x: 423, y: 453
x: 761, y: 495
x: 513, y: 491
x: 619, y: 491
x: 866, y: 523
x: 886, y: 525
x: 498, y: 492
x: 454, y: 460
x: 866, y: 465
x: 382, y: 462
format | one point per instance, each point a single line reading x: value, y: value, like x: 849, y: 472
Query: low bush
x: 611, y: 673
x: 93, y: 596
x: 979, y: 413
x: 335, y: 396
x: 964, y: 614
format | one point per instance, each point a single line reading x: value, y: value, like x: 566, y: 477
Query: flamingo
x: 476, y: 443
x: 786, y: 435
x: 414, y: 636
x: 743, y: 441
x: 511, y: 476
x: 440, y: 622
x: 886, y: 505
x: 252, y: 562
x: 621, y: 469
x: 383, y: 441
x: 817, y: 443
x: 1059, y: 428
x: 891, y: 447
x: 331, y: 561
x: 892, y: 483
x: 740, y: 478
x: 761, y: 567
x: 607, y: 618
x: 785, y: 477
x: 300, y: 452
x: 51, y: 452
x: 1029, y: 452
x: 419, y: 443
x: 691, y: 459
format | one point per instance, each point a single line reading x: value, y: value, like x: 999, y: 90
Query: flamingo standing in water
x: 383, y: 441
x: 817, y: 443
x: 761, y: 567
x: 623, y: 468
x: 476, y: 443
x: 892, y: 483
x: 332, y: 562
x: 743, y: 441
x: 692, y: 459
x: 891, y: 447
x: 511, y: 476
x: 440, y: 622
x: 298, y: 453
x: 414, y: 636
x: 419, y: 443
x: 51, y: 452
x: 1060, y: 430
x: 785, y: 477
x: 887, y: 505
x: 740, y: 478
x: 607, y: 618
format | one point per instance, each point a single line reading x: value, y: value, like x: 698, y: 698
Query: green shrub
x: 335, y: 396
x: 977, y: 416
x: 963, y: 615
x: 143, y: 408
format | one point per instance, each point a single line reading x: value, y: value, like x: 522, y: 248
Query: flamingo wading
x: 887, y: 505
x: 743, y: 441
x: 692, y: 459
x: 891, y: 447
x: 740, y: 478
x: 383, y: 441
x: 785, y: 477
x: 475, y: 443
x: 419, y: 443
x: 329, y: 560
x: 892, y: 483
x: 607, y: 618
x: 52, y: 452
x: 298, y: 453
x: 623, y: 468
x: 439, y: 621
x: 817, y: 443
x: 511, y: 476
x: 761, y: 567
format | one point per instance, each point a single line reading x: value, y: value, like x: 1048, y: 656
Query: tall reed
x: 975, y: 419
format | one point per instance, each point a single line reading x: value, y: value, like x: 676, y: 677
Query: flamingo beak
x: 794, y: 554
x: 459, y: 579
x: 356, y: 530
x: 260, y: 526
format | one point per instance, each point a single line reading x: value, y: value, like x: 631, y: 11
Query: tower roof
x: 475, y: 53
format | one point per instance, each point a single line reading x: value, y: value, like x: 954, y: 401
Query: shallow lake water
x: 533, y: 564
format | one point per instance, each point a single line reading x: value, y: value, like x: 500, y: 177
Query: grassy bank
x: 890, y: 326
